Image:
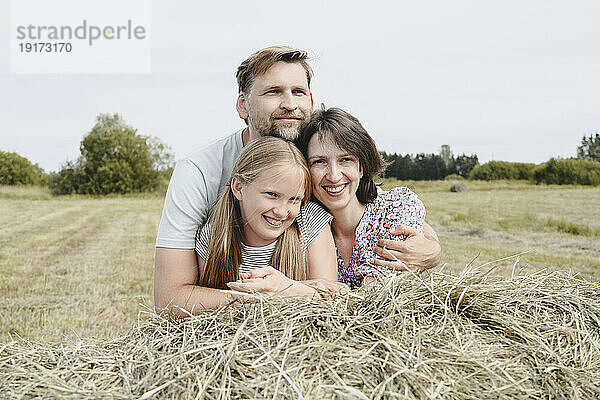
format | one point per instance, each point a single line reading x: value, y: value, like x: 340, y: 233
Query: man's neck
x: 249, y: 135
x: 245, y: 136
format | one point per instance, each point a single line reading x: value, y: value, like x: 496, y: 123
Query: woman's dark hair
x: 347, y: 133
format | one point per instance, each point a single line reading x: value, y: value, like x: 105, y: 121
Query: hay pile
x: 442, y: 336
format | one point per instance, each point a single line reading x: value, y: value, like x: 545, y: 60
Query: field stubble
x: 75, y: 265
x: 559, y: 226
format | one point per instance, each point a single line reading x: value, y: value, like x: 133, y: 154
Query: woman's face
x: 270, y: 203
x: 335, y: 173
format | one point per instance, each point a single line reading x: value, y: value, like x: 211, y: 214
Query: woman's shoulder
x: 398, y: 194
x: 399, y: 205
x: 399, y: 201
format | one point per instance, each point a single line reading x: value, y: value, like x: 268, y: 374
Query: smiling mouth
x: 275, y: 223
x: 335, y: 190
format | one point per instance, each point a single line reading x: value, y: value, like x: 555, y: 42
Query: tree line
x: 428, y: 166
x: 116, y: 159
x: 584, y: 169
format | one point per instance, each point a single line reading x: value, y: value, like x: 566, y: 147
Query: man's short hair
x: 259, y: 62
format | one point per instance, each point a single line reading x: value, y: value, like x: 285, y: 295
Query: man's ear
x: 241, y: 106
x: 236, y: 188
x: 312, y: 102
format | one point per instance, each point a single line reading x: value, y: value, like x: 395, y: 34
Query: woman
x: 343, y: 161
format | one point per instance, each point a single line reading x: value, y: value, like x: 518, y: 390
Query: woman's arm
x: 175, y: 289
x: 419, y: 248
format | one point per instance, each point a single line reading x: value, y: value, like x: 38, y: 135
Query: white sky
x: 508, y: 80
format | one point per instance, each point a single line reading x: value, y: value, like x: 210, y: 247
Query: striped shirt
x: 311, y: 220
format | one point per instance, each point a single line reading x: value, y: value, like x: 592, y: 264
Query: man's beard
x: 284, y: 130
x: 288, y: 131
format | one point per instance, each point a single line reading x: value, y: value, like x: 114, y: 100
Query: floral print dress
x: 398, y: 206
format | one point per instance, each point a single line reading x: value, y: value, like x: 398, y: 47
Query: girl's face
x: 270, y: 203
x: 334, y: 172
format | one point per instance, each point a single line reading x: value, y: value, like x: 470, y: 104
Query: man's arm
x: 175, y: 289
x: 419, y: 251
x: 175, y: 265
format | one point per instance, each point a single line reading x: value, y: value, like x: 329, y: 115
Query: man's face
x: 279, y: 102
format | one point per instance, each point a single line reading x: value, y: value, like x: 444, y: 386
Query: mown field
x: 81, y: 267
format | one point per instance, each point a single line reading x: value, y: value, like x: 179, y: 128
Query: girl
x: 343, y: 160
x: 264, y: 230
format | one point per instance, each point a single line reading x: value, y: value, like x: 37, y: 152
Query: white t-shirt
x: 195, y: 186
x: 311, y: 219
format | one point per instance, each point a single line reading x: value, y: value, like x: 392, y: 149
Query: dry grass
x: 559, y: 224
x: 79, y: 267
x: 24, y: 192
x: 470, y: 336
x: 75, y: 264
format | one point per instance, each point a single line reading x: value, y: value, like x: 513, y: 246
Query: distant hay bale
x: 458, y: 186
x: 469, y: 336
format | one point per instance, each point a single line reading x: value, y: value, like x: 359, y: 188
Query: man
x: 274, y: 99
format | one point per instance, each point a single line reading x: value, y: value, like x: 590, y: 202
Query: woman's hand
x: 265, y: 280
x: 417, y: 252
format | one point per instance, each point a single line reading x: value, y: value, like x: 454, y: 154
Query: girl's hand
x: 327, y: 288
x: 265, y: 280
x: 242, y: 297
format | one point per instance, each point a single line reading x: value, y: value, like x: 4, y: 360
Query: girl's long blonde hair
x: 226, y: 232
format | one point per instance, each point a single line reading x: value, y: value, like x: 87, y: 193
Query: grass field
x: 81, y: 266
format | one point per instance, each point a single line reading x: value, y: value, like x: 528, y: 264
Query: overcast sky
x: 506, y: 80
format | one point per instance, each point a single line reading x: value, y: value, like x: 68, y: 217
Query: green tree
x: 163, y: 159
x: 570, y: 171
x: 398, y: 166
x: 493, y: 170
x: 464, y: 164
x: 18, y: 170
x: 69, y: 179
x: 114, y: 159
x: 590, y: 148
x: 428, y: 166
